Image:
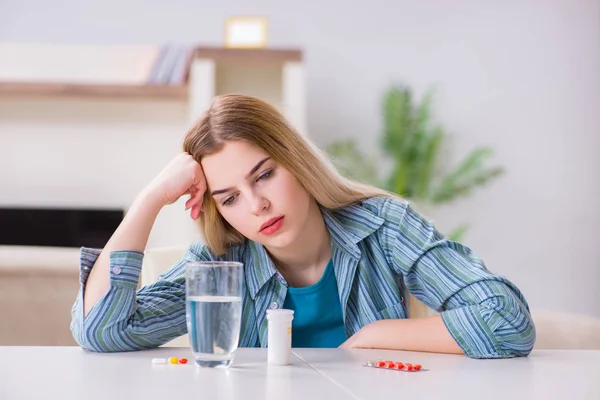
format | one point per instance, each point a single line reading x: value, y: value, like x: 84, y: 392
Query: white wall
x: 521, y: 76
x: 90, y: 154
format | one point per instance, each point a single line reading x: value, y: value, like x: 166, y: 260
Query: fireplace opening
x: 60, y: 227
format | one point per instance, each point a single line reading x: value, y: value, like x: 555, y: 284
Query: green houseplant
x: 413, y: 142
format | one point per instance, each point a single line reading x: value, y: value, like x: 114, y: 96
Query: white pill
x: 159, y: 361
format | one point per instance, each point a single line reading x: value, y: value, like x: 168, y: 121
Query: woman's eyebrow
x: 252, y: 171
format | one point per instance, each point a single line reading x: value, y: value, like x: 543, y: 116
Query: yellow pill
x: 173, y: 360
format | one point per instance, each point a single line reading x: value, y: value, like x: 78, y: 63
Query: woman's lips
x: 272, y: 226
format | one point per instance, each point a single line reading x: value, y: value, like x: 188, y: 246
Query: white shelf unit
x: 276, y: 76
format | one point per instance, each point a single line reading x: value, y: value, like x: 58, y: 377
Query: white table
x: 71, y: 373
x: 545, y: 374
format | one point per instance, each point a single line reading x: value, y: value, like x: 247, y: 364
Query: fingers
x: 195, y: 202
x: 195, y: 213
x: 196, y: 191
x: 190, y: 202
x: 195, y: 198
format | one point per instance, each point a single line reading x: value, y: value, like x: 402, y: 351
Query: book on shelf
x: 171, y: 65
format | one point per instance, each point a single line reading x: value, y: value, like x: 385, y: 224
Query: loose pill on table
x: 173, y: 360
x: 183, y: 361
x: 159, y: 361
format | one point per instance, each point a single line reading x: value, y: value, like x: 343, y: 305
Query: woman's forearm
x: 183, y: 175
x: 428, y: 334
x: 132, y: 234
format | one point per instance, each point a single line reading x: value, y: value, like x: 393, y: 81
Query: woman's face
x: 255, y: 195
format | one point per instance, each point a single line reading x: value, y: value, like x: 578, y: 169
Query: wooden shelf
x: 261, y: 55
x: 93, y: 90
x: 166, y: 92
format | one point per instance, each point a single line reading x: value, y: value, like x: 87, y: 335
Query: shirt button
x: 274, y: 306
x: 116, y: 270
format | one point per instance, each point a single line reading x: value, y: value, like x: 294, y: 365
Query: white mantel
x: 90, y: 153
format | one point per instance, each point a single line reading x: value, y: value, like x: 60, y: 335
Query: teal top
x: 318, y: 319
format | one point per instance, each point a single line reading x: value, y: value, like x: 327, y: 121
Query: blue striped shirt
x: 381, y: 248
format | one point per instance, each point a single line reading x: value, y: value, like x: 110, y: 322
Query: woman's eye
x: 228, y: 201
x: 264, y: 176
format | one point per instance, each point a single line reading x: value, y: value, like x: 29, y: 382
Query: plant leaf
x: 429, y: 162
x: 472, y: 162
x: 418, y: 142
x: 397, y: 114
x: 452, y: 190
x: 399, y: 181
x: 471, y: 166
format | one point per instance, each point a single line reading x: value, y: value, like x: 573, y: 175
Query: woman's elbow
x: 521, y: 344
x: 88, y: 340
x: 98, y: 340
x: 512, y: 326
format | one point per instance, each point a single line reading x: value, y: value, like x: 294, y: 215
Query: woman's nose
x: 260, y: 204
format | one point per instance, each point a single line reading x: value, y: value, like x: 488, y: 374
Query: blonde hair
x: 245, y: 118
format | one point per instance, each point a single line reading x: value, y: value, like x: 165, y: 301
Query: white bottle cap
x: 280, y: 315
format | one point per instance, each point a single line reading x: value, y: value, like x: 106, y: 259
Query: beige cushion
x: 559, y: 330
x: 158, y: 260
x: 38, y: 286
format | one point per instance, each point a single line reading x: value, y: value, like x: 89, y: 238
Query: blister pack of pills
x: 395, y: 365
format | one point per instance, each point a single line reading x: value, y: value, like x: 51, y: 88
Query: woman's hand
x: 182, y: 175
x: 415, y: 334
x: 355, y: 341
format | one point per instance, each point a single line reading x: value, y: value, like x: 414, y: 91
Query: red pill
x: 409, y: 367
x: 399, y: 366
x: 380, y: 363
x: 183, y: 361
x: 417, y: 367
x: 389, y: 364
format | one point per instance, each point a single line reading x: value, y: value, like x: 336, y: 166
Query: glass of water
x: 214, y: 310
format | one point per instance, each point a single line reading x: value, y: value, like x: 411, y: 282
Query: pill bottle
x: 279, y: 349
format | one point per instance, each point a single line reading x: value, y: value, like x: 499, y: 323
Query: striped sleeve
x: 125, y: 318
x: 485, y: 313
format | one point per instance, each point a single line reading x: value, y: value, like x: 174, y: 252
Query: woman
x: 340, y: 254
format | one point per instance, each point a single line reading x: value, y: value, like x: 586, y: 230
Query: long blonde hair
x: 245, y: 118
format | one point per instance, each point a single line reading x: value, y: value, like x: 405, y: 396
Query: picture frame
x: 248, y: 32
